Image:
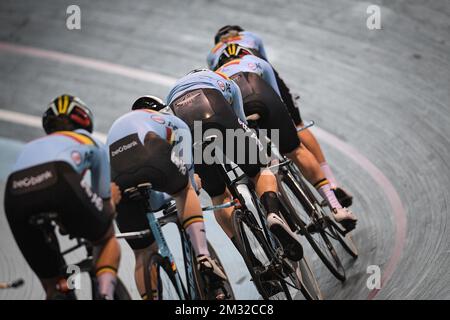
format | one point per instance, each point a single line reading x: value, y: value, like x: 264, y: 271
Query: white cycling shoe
x: 345, y: 217
x: 288, y: 239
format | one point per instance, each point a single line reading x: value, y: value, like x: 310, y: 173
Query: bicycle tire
x: 227, y: 285
x: 309, y: 286
x: 243, y: 230
x: 346, y: 240
x: 121, y: 292
x: 321, y: 245
x: 167, y: 286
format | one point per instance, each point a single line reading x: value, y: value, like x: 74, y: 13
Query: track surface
x: 384, y: 92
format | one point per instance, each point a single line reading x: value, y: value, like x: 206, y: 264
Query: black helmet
x: 148, y: 102
x: 231, y: 52
x: 224, y: 30
x: 67, y: 113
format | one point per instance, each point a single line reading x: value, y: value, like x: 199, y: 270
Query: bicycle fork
x: 165, y: 251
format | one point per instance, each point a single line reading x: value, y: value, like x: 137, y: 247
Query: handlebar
x: 144, y: 233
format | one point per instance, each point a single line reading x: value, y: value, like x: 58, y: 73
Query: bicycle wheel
x: 258, y: 257
x: 339, y: 233
x: 319, y: 239
x: 227, y: 285
x: 160, y: 280
x: 345, y: 239
x: 121, y: 292
x: 201, y: 289
x: 306, y: 278
x: 309, y: 286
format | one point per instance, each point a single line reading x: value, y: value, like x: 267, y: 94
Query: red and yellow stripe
x: 236, y: 61
x: 82, y: 139
x: 223, y: 75
x: 148, y: 110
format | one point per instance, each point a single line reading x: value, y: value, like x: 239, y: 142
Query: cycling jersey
x: 245, y: 39
x: 166, y: 126
x: 77, y: 148
x: 209, y: 80
x: 251, y: 64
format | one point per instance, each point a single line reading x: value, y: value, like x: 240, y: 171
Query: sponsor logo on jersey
x: 76, y: 157
x: 221, y: 85
x: 123, y: 148
x: 186, y: 99
x: 158, y: 119
x: 93, y: 197
x: 32, y: 181
x: 179, y: 163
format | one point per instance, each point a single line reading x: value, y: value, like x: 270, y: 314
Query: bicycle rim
x: 160, y: 280
x: 309, y: 286
x: 345, y: 240
x: 227, y: 285
x: 255, y: 251
x: 319, y: 241
x: 121, y: 292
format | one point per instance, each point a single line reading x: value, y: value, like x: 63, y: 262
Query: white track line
x: 33, y: 121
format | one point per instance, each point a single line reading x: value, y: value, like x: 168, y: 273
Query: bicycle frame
x: 165, y: 252
x: 156, y: 224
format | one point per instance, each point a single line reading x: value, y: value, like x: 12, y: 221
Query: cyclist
x: 48, y: 176
x: 214, y: 101
x: 260, y: 93
x: 235, y: 34
x: 149, y: 146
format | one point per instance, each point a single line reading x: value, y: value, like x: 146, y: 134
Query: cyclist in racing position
x: 149, y: 146
x: 48, y: 177
x: 208, y: 100
x: 235, y: 34
x: 260, y: 94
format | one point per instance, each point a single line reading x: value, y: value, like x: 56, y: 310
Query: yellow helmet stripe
x: 65, y: 104
x: 59, y: 104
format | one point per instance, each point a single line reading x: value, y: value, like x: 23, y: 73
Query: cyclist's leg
x: 45, y: 261
x: 311, y: 143
x: 174, y: 179
x: 93, y: 222
x: 306, y: 136
x: 264, y: 180
x: 275, y: 116
x: 131, y: 217
x: 214, y: 186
